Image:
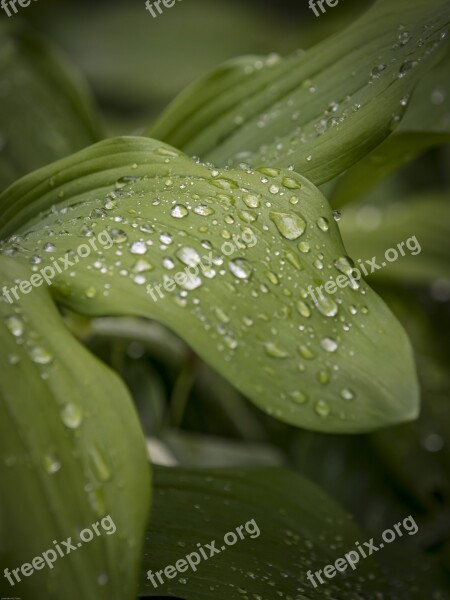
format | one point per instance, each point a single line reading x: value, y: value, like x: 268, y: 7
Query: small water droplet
x: 203, y: 210
x: 298, y: 397
x: 51, y: 463
x: 138, y: 247
x: 40, y: 355
x: 329, y: 344
x: 179, y: 211
x: 72, y: 415
x: 240, y: 268
x: 275, y: 351
x: 15, y: 325
x: 322, y: 408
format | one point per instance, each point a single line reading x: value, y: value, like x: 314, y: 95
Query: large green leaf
x: 301, y: 529
x: 425, y: 125
x: 320, y: 111
x: 46, y: 112
x: 335, y: 364
x: 371, y: 230
x: 72, y: 452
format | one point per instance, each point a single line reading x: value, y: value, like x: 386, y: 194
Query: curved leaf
x: 301, y: 529
x: 249, y: 314
x: 46, y: 112
x: 72, y: 451
x: 320, y: 111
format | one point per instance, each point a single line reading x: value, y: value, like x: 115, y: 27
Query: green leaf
x: 371, y: 230
x: 425, y: 125
x: 301, y: 529
x: 46, y: 112
x: 72, y: 451
x: 339, y: 364
x: 320, y: 111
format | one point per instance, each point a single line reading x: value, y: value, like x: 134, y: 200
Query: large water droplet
x: 291, y: 226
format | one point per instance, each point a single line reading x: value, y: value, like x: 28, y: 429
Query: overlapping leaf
x: 320, y: 111
x: 311, y: 361
x: 45, y: 111
x: 72, y: 452
x: 301, y: 529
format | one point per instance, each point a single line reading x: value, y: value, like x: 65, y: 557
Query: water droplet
x: 188, y: 256
x: 298, y: 397
x: 40, y: 355
x: 275, y: 351
x: 303, y: 308
x: 291, y: 226
x: 118, y: 236
x: 251, y: 200
x: 51, y: 464
x: 72, y: 415
x: 141, y: 266
x: 15, y: 325
x: 376, y: 71
x: 406, y: 67
x: 323, y: 376
x: 166, y: 239
x: 325, y: 305
x: 179, y: 211
x: 322, y: 408
x: 345, y: 265
x: 306, y: 352
x: 329, y: 345
x: 290, y: 183
x: 225, y: 184
x: 138, y: 248
x: 347, y: 394
x: 125, y: 180
x: 99, y: 464
x: 323, y: 224
x: 304, y: 247
x: 203, y: 210
x: 240, y: 268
